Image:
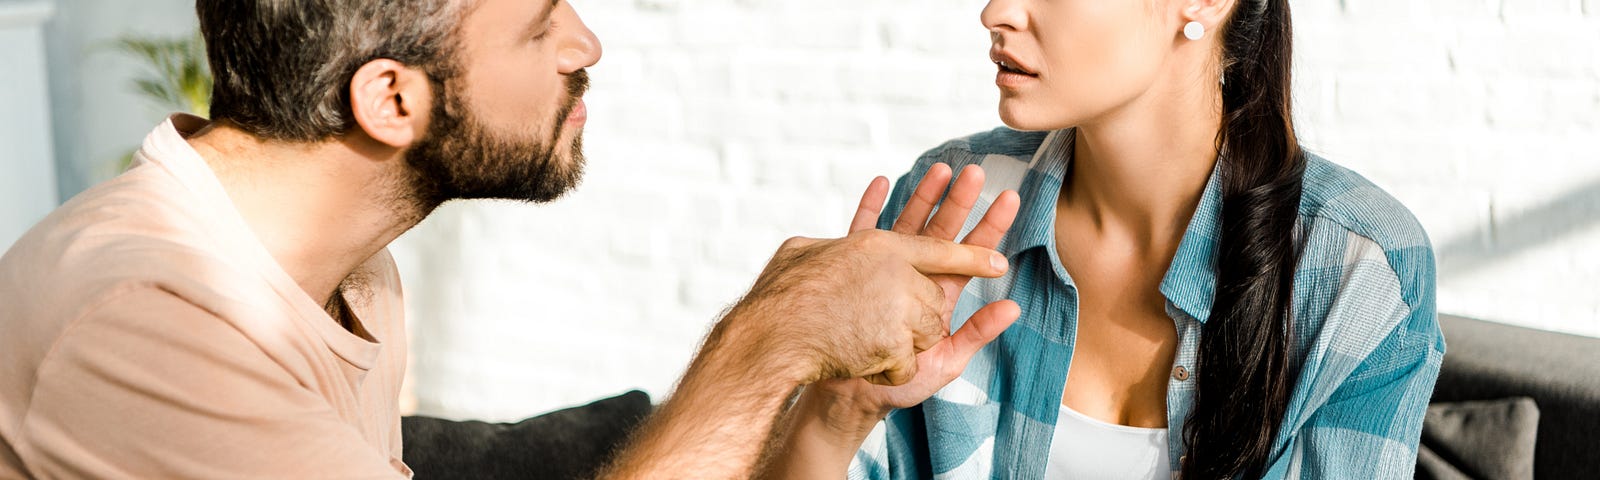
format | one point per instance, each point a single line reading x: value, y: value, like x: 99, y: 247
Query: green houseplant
x: 176, y: 76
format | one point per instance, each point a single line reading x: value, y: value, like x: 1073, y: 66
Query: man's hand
x: 943, y: 362
x: 860, y: 306
x: 832, y: 417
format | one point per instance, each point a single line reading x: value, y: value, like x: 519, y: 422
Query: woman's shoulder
x: 1370, y: 243
x: 1333, y: 194
x: 974, y: 148
x: 1366, y: 285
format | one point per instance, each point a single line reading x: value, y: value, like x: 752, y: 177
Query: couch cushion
x: 570, y: 443
x: 1479, y: 439
x: 1486, y: 361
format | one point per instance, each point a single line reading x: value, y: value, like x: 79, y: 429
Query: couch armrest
x: 1561, y: 372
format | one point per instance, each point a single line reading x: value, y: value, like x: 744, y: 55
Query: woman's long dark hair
x: 1243, y: 373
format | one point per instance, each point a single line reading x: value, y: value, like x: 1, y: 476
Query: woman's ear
x: 1211, y: 14
x: 391, y: 102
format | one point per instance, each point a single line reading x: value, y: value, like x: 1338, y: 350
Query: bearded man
x: 227, y: 308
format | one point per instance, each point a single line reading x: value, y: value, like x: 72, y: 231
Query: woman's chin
x: 1018, y: 117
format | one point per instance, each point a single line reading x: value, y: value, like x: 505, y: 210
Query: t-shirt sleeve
x: 151, y: 386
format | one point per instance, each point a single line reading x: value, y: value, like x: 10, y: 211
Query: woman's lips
x: 1005, y: 78
x: 1012, y: 73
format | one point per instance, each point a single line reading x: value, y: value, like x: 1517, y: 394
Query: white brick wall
x: 720, y: 127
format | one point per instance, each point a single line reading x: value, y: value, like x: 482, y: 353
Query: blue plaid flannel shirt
x: 1367, y: 342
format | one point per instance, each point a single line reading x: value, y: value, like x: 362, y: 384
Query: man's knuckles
x: 797, y: 243
x: 871, y: 241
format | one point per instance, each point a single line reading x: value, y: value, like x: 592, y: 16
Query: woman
x: 1200, y: 297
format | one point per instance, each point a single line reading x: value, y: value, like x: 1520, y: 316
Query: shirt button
x: 1180, y: 373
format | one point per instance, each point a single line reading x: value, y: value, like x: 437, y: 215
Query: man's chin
x: 570, y: 151
x: 564, y: 175
x: 570, y: 163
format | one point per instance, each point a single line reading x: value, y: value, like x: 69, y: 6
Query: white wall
x: 1483, y: 116
x: 719, y: 127
x: 97, y: 115
x: 28, y: 185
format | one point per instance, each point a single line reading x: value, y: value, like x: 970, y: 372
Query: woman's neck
x: 1138, y: 173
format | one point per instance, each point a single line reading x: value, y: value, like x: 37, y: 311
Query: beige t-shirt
x: 146, y: 333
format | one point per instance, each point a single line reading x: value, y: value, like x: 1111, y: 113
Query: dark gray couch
x: 1484, y: 361
x: 1487, y: 361
x: 572, y: 443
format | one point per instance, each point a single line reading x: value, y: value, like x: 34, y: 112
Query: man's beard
x: 462, y: 158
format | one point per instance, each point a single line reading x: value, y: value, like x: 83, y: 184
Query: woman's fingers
x: 922, y: 201
x: 995, y: 222
x: 958, y: 202
x: 940, y: 365
x: 871, y: 205
x: 983, y: 327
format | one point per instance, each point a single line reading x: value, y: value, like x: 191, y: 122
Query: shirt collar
x: 168, y: 147
x: 1190, y: 282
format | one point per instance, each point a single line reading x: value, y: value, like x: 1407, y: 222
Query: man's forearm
x: 721, y: 414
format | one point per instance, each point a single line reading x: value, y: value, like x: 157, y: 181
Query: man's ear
x: 391, y: 102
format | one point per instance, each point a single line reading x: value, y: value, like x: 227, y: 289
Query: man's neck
x: 321, y: 209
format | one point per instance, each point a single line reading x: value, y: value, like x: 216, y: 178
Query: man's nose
x: 579, y: 48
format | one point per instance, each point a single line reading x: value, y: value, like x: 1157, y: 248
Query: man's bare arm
x: 726, y: 403
x: 860, y: 307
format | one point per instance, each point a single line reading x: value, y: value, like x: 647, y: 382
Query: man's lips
x: 578, y: 115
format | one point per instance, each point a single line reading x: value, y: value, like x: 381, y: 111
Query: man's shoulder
x: 115, y: 232
x: 111, y: 240
x: 141, y: 204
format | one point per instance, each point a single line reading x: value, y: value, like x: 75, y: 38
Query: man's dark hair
x: 283, y: 67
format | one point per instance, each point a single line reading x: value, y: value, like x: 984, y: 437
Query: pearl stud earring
x: 1194, y: 30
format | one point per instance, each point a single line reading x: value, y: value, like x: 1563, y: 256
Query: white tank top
x: 1085, y: 448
